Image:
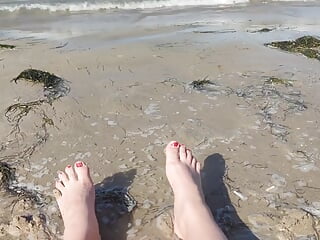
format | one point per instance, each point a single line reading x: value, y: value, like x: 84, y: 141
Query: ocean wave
x: 86, y: 6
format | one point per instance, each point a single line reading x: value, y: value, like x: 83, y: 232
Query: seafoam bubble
x: 81, y: 156
x: 277, y: 180
x: 306, y: 167
x: 111, y: 123
x: 63, y: 159
x: 151, y: 158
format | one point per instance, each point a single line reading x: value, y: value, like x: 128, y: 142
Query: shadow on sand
x: 218, y: 200
x: 113, y: 219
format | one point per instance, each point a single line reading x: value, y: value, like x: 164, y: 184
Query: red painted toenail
x: 79, y: 164
x: 69, y: 166
x: 175, y: 144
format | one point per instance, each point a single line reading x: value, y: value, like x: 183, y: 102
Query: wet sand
x: 131, y: 94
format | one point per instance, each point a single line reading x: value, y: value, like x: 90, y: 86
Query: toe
x: 82, y: 171
x: 63, y: 177
x: 57, y: 194
x: 70, y: 173
x: 183, y: 153
x: 59, y: 185
x: 189, y: 156
x: 172, y: 152
x: 198, y: 167
x: 193, y: 163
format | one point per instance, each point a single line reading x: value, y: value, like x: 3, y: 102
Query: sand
x: 131, y: 94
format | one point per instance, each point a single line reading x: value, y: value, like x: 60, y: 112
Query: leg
x: 76, y: 200
x: 193, y: 219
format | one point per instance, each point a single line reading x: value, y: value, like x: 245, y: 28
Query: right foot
x: 192, y: 217
x: 183, y: 173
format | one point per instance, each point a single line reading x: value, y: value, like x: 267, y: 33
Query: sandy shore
x: 131, y: 94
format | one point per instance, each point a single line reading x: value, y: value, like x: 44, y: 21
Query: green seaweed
x: 7, y: 178
x: 309, y: 46
x: 54, y: 86
x: 263, y: 30
x: 282, y: 81
x: 7, y: 46
x: 7, y: 175
x: 200, y: 83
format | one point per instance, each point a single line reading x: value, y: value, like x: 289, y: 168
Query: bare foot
x: 193, y: 219
x: 76, y: 201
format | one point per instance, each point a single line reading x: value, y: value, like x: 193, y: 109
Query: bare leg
x: 193, y: 219
x: 76, y: 200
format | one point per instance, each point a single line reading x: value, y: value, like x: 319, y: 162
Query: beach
x: 135, y: 79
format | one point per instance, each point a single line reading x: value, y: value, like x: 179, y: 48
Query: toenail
x: 79, y: 164
x: 175, y: 144
x: 69, y: 166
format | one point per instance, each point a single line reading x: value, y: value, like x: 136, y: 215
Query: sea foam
x: 87, y: 6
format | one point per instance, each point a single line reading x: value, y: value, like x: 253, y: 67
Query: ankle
x: 193, y: 193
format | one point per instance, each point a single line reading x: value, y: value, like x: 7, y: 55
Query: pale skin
x: 193, y: 219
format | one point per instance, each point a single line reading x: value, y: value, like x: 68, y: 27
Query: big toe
x: 82, y: 171
x: 172, y: 152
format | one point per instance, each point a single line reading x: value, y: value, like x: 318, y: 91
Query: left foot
x: 76, y: 202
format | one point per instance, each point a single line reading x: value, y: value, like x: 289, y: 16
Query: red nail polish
x: 69, y: 166
x: 79, y: 164
x: 175, y: 144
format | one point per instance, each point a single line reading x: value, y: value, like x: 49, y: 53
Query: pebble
x: 277, y: 180
x: 138, y: 222
x: 123, y: 166
x: 146, y: 204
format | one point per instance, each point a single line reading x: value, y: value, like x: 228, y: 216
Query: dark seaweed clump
x: 6, y: 46
x: 54, y: 86
x: 263, y: 30
x: 6, y: 174
x: 7, y: 179
x: 308, y: 46
x: 281, y: 81
x: 118, y: 198
x: 200, y: 83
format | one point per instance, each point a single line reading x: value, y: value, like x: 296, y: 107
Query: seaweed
x: 7, y: 46
x: 7, y: 178
x: 16, y: 112
x: 276, y: 80
x: 54, y: 86
x: 118, y: 197
x: 272, y: 100
x: 200, y: 83
x: 7, y: 175
x: 308, y: 46
x: 263, y: 30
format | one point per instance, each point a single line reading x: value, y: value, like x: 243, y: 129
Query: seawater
x: 94, y: 5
